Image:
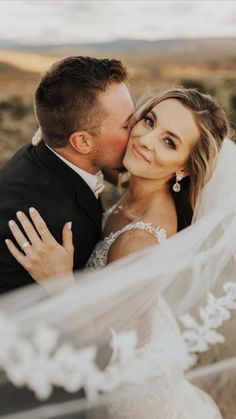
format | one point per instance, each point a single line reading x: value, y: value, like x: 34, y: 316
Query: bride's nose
x: 146, y: 140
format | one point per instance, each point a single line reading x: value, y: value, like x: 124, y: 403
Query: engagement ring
x: 25, y: 244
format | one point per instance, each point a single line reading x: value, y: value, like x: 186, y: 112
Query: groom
x: 84, y: 110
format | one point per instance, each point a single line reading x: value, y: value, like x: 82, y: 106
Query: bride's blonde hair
x: 213, y: 128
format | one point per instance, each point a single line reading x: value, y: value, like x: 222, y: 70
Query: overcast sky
x: 65, y: 21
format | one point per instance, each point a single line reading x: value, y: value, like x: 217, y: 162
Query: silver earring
x: 177, y: 186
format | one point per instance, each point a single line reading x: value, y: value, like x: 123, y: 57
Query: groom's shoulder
x: 22, y: 168
x: 23, y: 156
x: 25, y: 161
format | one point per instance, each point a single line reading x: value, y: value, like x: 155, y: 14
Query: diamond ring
x: 25, y: 244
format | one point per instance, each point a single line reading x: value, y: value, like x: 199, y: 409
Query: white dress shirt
x: 95, y: 182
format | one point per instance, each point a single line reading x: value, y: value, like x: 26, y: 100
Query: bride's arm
x: 41, y: 255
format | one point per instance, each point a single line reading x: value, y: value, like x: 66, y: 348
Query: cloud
x: 70, y: 21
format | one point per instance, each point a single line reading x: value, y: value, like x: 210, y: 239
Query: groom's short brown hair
x: 67, y: 98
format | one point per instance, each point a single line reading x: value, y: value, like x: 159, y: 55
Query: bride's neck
x: 140, y: 188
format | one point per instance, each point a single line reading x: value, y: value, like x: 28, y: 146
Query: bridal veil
x: 195, y: 272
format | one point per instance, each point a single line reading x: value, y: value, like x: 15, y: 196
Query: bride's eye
x: 168, y: 141
x: 148, y: 121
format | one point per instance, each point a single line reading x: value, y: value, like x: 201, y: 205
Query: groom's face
x: 110, y: 144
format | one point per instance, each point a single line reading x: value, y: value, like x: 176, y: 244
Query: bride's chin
x: 126, y: 162
x: 131, y: 168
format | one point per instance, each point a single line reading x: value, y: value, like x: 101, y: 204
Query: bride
x: 171, y: 155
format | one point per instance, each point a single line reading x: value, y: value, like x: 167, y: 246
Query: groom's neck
x: 80, y: 161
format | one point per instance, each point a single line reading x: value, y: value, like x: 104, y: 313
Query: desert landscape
x: 208, y: 64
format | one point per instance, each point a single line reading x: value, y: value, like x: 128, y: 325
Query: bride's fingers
x: 67, y: 237
x: 41, y: 226
x: 22, y: 259
x: 29, y: 228
x: 19, y: 236
x: 37, y: 137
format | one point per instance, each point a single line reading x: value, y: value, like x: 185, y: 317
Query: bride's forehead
x: 177, y: 118
x: 173, y: 106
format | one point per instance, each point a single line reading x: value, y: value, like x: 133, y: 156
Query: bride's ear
x: 81, y: 141
x: 183, y: 172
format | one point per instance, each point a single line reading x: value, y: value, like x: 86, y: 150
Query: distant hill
x: 158, y: 56
x: 9, y: 68
x: 209, y: 46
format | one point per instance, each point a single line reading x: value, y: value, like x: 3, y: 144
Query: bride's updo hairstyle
x: 213, y: 128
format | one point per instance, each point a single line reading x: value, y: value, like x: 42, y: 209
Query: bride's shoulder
x: 132, y: 239
x: 162, y: 215
x: 150, y: 229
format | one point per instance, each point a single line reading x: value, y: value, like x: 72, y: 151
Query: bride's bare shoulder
x: 137, y: 239
x: 130, y: 241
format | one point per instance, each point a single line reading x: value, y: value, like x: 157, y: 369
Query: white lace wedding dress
x: 168, y: 395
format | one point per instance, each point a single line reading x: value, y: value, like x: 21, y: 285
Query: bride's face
x: 160, y: 144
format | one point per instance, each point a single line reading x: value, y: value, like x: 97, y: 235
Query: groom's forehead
x: 117, y: 96
x: 117, y: 103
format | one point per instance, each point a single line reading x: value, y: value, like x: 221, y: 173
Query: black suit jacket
x: 37, y: 177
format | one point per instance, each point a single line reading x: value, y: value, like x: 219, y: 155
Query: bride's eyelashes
x: 169, y: 142
x: 149, y: 121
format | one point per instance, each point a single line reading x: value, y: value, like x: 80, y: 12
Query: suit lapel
x: 83, y: 195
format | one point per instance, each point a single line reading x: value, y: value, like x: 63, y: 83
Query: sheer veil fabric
x: 194, y: 272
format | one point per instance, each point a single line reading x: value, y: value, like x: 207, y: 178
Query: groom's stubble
x: 114, y: 131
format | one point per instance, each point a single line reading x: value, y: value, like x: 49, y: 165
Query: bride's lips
x: 139, y: 154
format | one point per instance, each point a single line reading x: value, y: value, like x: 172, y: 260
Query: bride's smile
x: 137, y: 152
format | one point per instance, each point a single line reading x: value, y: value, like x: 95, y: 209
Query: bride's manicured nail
x: 11, y: 223
x: 32, y: 210
x: 19, y: 213
x: 69, y: 225
x: 7, y: 241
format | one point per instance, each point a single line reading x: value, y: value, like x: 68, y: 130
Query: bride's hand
x: 42, y: 256
x: 37, y: 137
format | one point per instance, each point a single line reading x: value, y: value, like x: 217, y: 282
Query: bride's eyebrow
x: 153, y: 115
x: 127, y: 120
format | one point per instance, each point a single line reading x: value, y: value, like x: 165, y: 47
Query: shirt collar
x: 89, y: 178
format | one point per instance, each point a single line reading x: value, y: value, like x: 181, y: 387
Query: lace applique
x: 98, y: 259
x: 165, y: 336
x: 199, y: 337
x: 40, y: 362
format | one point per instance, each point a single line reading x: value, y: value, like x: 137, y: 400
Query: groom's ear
x: 81, y: 141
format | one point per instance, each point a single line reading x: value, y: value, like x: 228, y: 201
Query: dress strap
x: 158, y: 232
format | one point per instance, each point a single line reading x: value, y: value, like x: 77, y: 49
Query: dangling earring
x: 177, y: 186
